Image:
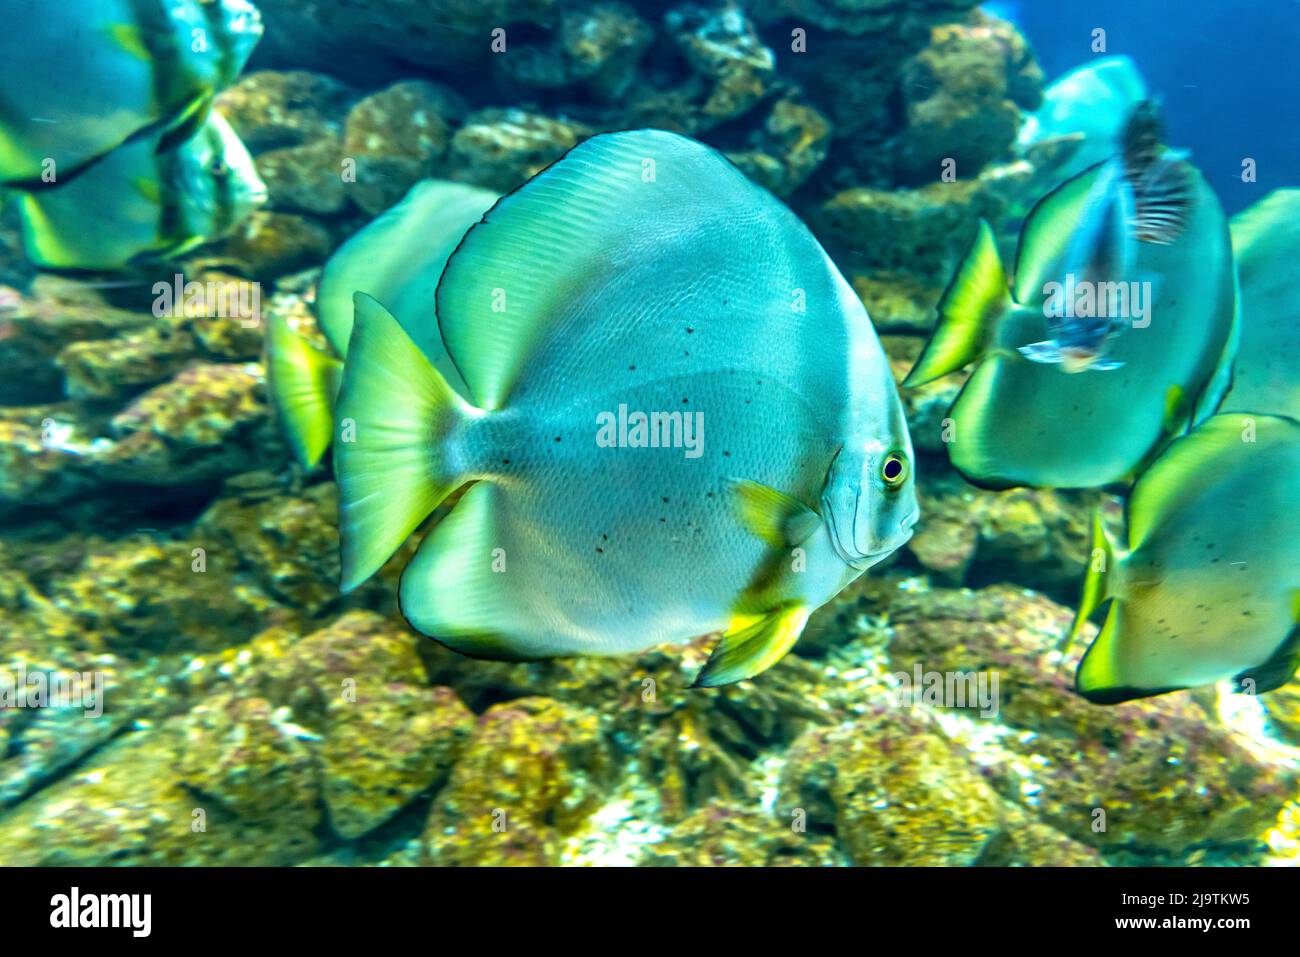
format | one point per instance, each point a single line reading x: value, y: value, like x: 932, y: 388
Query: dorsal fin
x: 542, y: 244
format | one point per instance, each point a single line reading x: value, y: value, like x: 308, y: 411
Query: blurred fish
x: 632, y: 293
x: 1140, y: 194
x: 84, y: 76
x: 1209, y: 585
x: 1021, y: 422
x: 1088, y: 107
x: 1266, y: 240
x: 397, y: 259
x: 138, y: 205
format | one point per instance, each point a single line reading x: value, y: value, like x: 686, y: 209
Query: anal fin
x: 753, y: 644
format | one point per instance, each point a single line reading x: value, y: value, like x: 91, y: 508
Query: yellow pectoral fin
x: 752, y: 644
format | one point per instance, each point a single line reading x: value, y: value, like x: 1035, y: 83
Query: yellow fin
x: 1100, y: 579
x: 969, y: 312
x: 130, y: 38
x: 778, y: 519
x: 752, y: 644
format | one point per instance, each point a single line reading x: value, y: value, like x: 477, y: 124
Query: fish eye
x: 894, y: 469
x: 219, y: 167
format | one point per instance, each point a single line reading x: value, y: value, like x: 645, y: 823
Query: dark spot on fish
x: 726, y: 453
x: 557, y: 438
x: 599, y: 550
x: 631, y: 368
x: 689, y: 330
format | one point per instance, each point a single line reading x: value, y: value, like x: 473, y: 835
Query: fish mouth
x: 863, y: 562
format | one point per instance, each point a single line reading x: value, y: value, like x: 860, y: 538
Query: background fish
x: 1266, y: 240
x: 1019, y: 422
x: 1091, y: 104
x: 1209, y: 585
x: 641, y: 272
x: 1141, y: 194
x: 83, y: 76
x: 138, y: 205
x: 398, y: 259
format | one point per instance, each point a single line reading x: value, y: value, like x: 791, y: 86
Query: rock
x: 395, y: 137
x: 595, y: 50
x: 129, y: 806
x: 789, y: 147
x: 42, y: 459
x: 273, y: 109
x: 211, y: 420
x: 532, y: 772
x: 1166, y: 777
x: 269, y: 244
x: 242, y: 754
x: 106, y: 369
x: 726, y: 54
x: 306, y: 178
x: 893, y: 789
x: 386, y: 746
x: 137, y: 596
x: 963, y: 95
x: 922, y: 231
x: 861, y: 17
x: 289, y: 544
x: 501, y: 149
x: 721, y: 835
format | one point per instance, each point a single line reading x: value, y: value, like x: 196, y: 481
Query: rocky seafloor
x: 154, y: 530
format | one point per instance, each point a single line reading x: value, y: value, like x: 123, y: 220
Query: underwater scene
x: 649, y: 433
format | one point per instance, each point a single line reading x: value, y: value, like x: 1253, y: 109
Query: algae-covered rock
x: 308, y: 178
x: 384, y: 746
x: 394, y: 137
x: 530, y: 774
x: 1154, y: 775
x: 963, y: 95
x: 141, y: 596
x: 242, y: 754
x: 788, y: 148
x: 209, y: 421
x: 722, y: 835
x: 275, y: 109
x: 501, y: 149
x: 115, y: 368
x: 893, y: 789
x: 269, y: 244
x: 129, y: 805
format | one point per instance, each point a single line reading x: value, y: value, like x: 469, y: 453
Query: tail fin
x: 969, y: 311
x: 1099, y: 582
x: 396, y: 415
x: 303, y: 382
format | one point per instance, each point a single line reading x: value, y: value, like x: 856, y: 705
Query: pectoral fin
x: 778, y: 519
x: 752, y: 645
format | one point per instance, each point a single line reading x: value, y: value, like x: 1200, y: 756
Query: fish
x: 1139, y: 195
x: 1208, y: 587
x: 678, y: 421
x: 1087, y: 109
x: 138, y: 206
x: 1017, y: 422
x: 397, y: 259
x: 1266, y: 242
x: 85, y: 76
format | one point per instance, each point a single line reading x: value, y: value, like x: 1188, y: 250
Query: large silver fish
x: 679, y: 421
x: 397, y: 259
x: 138, y: 205
x: 83, y: 76
x: 1208, y: 587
